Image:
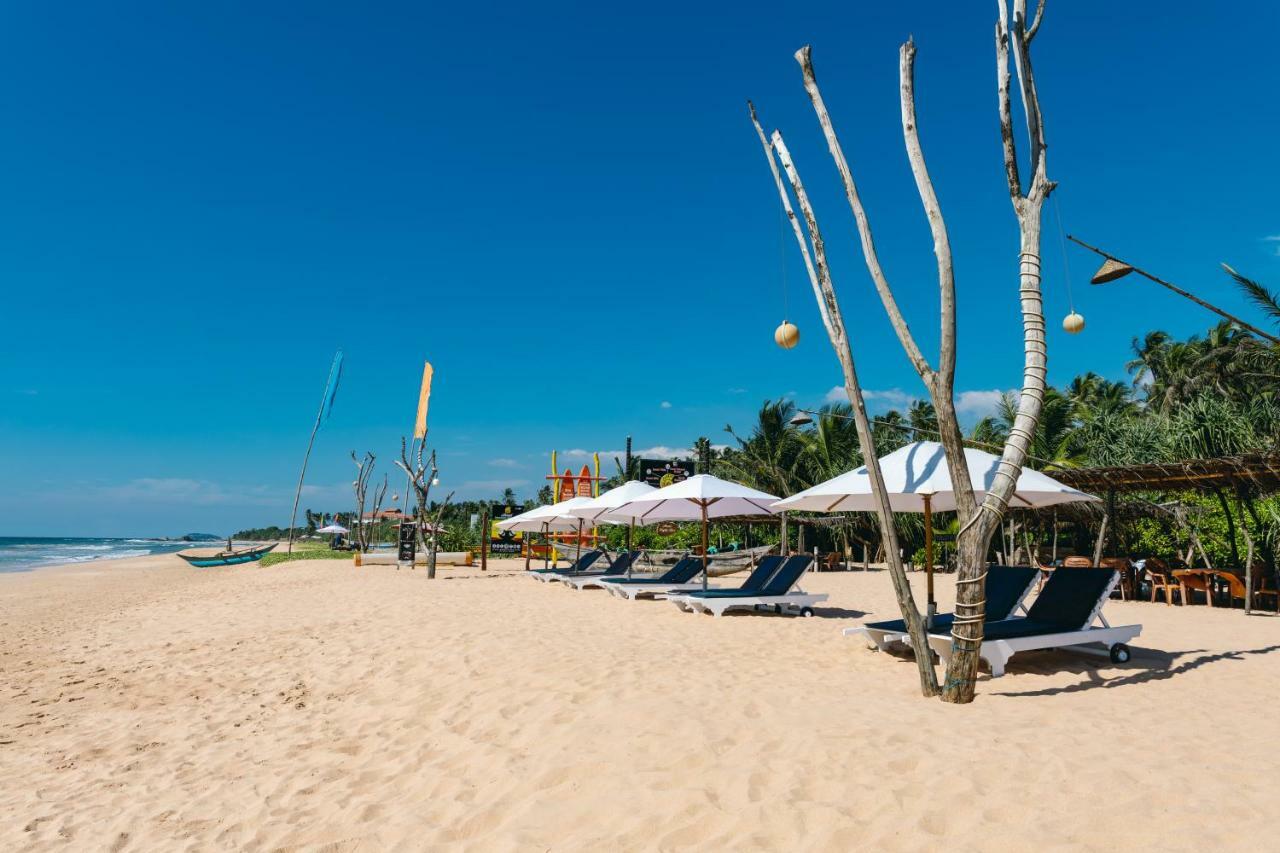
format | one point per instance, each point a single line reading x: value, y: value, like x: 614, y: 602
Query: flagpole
x: 326, y: 402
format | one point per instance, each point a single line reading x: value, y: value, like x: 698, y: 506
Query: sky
x: 565, y: 209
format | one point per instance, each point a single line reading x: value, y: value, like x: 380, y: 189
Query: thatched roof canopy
x: 1255, y: 472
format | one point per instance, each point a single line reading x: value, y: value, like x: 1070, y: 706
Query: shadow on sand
x: 1150, y: 665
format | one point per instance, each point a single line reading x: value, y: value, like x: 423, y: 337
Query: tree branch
x: 823, y: 308
x: 932, y: 210
x: 840, y: 342
x: 899, y: 323
x: 1007, y: 140
x: 1035, y: 23
x: 791, y: 217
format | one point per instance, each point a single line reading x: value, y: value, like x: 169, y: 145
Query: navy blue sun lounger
x: 1062, y: 615
x: 1007, y: 586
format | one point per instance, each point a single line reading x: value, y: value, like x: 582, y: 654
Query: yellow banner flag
x: 420, y: 428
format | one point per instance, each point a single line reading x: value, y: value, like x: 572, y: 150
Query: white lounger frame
x: 885, y: 639
x: 588, y: 582
x: 795, y: 600
x: 1088, y: 639
x: 633, y: 592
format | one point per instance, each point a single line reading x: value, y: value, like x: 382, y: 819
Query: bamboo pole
x: 706, y: 559
x: 297, y: 495
x: 1178, y: 290
x: 931, y: 606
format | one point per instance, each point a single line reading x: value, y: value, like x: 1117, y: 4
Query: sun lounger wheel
x: 806, y: 611
x: 1120, y: 653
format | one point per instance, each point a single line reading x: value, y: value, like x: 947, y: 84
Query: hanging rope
x: 782, y: 259
x: 1066, y: 264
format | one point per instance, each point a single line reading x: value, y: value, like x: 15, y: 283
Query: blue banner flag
x: 331, y: 389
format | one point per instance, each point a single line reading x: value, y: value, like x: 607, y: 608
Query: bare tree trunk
x: 1102, y: 537
x: 421, y: 474
x: 977, y: 523
x: 829, y: 308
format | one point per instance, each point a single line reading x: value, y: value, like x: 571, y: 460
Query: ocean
x: 23, y: 554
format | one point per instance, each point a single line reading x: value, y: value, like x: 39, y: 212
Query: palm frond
x: 1266, y: 301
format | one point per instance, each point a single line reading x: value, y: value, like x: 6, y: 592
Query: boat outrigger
x: 229, y: 557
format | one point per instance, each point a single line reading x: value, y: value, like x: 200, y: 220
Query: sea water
x: 22, y: 554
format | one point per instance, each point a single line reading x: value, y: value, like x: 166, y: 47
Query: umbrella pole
x: 630, y: 531
x: 546, y: 545
x: 706, y: 559
x: 931, y: 608
x: 578, y: 553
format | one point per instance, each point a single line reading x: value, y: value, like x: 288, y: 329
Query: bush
x: 275, y: 558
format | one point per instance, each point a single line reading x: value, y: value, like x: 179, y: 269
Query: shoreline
x: 315, y: 704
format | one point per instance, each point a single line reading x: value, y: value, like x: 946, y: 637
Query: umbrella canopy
x: 687, y: 499
x: 918, y: 472
x: 333, y: 528
x: 701, y: 497
x: 603, y: 508
x: 918, y: 480
x: 547, y: 517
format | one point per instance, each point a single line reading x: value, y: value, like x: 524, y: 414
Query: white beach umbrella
x: 333, y: 528
x: 547, y: 518
x: 701, y: 497
x: 918, y: 480
x: 604, y: 508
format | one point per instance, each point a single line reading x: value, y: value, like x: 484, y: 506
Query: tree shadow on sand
x: 1154, y: 664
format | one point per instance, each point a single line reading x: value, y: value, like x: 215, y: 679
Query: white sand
x: 316, y: 706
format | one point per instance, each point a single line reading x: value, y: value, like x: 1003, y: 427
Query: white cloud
x: 666, y: 404
x: 1273, y: 238
x: 657, y: 451
x: 504, y: 463
x: 978, y: 403
x: 737, y: 390
x: 891, y: 398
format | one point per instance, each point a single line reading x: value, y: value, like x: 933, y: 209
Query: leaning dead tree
x: 364, y: 472
x: 819, y: 271
x: 423, y: 472
x: 978, y: 522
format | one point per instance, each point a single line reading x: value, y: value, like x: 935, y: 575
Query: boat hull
x: 227, y: 559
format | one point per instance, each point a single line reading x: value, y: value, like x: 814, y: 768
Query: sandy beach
x: 320, y: 706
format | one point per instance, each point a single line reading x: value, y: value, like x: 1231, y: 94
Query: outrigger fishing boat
x: 229, y: 557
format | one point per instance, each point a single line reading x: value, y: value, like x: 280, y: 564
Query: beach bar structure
x: 1244, y: 476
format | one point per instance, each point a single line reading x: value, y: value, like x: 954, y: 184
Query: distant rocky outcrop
x: 201, y: 537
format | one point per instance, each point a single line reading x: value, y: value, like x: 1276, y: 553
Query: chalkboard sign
x: 408, y: 543
x: 664, y: 472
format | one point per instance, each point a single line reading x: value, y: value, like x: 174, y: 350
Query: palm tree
x: 769, y: 458
x: 1053, y: 441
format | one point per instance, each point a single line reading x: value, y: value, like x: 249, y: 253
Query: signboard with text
x: 503, y: 541
x: 408, y: 548
x: 664, y: 472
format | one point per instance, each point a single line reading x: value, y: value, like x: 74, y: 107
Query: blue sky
x: 201, y: 202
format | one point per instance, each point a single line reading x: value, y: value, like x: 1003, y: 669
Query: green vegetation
x: 306, y: 550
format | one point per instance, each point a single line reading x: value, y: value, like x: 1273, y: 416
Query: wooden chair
x: 1077, y: 563
x: 833, y: 561
x: 1264, y: 587
x: 1162, y: 580
x: 1125, y: 568
x: 1234, y: 585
